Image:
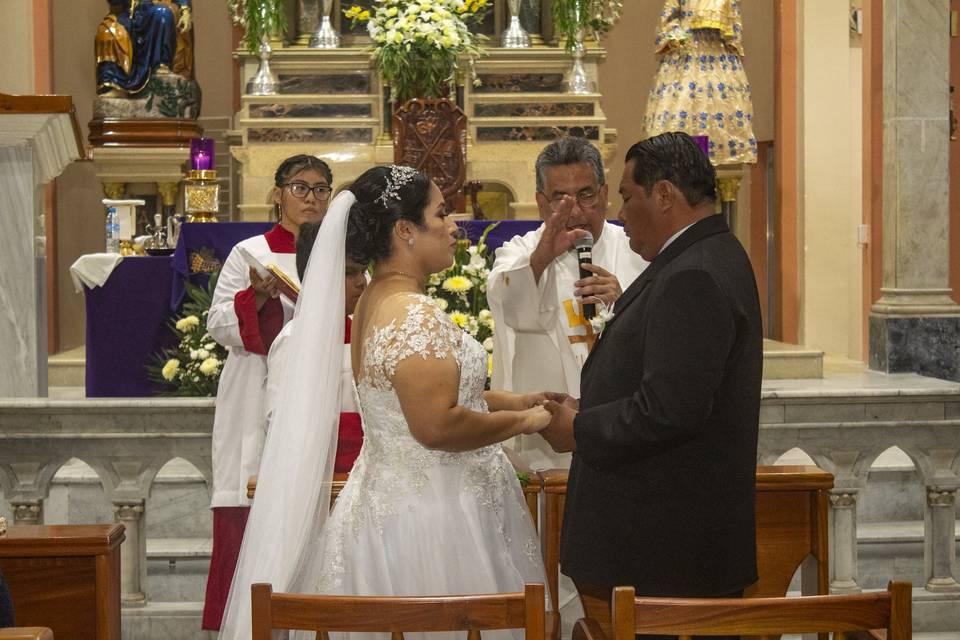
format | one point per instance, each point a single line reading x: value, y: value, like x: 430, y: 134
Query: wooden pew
x: 65, y: 577
x: 791, y: 528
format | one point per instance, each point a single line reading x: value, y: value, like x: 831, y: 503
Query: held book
x: 285, y: 283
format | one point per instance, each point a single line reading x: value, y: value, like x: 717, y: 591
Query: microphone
x: 584, y: 248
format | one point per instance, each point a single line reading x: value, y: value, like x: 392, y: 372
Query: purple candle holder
x: 201, y: 154
x: 704, y: 143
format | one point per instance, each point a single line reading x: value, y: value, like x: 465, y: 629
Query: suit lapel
x: 708, y: 226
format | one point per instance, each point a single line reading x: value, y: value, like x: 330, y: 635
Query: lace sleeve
x: 422, y: 330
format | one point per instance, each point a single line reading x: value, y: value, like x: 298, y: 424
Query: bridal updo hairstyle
x: 373, y: 217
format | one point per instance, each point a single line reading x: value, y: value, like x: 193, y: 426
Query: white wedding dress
x: 415, y: 521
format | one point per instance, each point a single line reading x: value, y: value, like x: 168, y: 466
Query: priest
x: 535, y: 291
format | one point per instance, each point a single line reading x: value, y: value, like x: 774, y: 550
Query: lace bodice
x: 424, y: 332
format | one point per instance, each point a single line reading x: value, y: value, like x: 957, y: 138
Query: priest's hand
x: 556, y: 238
x: 602, y: 286
x: 559, y: 433
x: 263, y: 288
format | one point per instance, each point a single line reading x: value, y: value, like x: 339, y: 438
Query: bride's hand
x: 535, y: 419
x: 528, y: 400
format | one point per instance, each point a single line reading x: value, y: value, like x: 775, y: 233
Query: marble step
x: 164, y: 621
x: 780, y: 361
x: 67, y: 368
x: 783, y: 361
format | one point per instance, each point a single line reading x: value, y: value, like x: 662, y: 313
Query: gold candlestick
x: 201, y: 195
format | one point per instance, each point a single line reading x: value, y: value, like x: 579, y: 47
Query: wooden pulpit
x: 65, y: 577
x: 39, y: 137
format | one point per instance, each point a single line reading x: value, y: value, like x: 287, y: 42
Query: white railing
x: 126, y: 442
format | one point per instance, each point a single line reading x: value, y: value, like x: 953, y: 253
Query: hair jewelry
x: 399, y: 176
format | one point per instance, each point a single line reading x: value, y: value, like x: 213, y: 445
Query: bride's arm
x: 500, y: 400
x: 428, y: 388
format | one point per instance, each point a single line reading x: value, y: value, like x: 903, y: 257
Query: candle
x: 704, y: 143
x: 201, y: 154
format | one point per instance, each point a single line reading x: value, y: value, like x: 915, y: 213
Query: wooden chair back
x: 841, y: 614
x: 396, y: 615
x: 26, y: 633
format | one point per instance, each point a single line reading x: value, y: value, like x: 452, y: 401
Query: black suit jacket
x: 661, y: 488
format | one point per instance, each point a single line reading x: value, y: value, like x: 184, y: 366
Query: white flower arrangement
x: 418, y: 44
x: 193, y: 367
x: 461, y: 290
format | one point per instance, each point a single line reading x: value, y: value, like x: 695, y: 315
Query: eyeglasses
x: 300, y: 190
x: 585, y: 199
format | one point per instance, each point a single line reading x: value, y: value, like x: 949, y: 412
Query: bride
x: 432, y: 506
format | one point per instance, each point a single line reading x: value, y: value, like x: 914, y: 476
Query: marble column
x: 133, y: 552
x: 940, y: 556
x: 23, y: 323
x: 843, y: 508
x: 915, y: 326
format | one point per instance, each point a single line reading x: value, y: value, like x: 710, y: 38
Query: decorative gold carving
x: 844, y: 500
x: 728, y: 187
x: 114, y: 190
x: 941, y: 497
x: 168, y: 192
x: 3, y: 525
x: 201, y: 195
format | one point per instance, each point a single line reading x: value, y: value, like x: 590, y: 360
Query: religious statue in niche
x: 701, y: 87
x: 144, y: 51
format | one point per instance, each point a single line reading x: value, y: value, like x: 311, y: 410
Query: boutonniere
x: 601, y: 318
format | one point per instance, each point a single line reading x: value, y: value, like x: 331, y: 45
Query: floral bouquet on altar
x: 461, y: 291
x: 418, y: 44
x: 192, y: 368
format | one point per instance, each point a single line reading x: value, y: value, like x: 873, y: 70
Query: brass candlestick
x: 201, y: 195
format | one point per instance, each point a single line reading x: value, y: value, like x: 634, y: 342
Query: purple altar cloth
x: 127, y: 317
x: 126, y: 324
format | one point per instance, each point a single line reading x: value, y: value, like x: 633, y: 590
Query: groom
x: 661, y: 488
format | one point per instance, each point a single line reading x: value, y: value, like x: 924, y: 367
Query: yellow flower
x: 364, y: 15
x: 459, y: 318
x: 187, y: 324
x: 353, y: 11
x: 457, y: 284
x: 209, y: 366
x: 170, y: 369
x: 489, y: 365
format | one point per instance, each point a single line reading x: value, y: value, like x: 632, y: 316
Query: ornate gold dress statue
x: 701, y: 87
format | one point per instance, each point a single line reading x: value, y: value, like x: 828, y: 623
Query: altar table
x: 65, y: 577
x: 127, y: 318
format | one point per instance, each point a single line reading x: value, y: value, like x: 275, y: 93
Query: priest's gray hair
x: 565, y: 151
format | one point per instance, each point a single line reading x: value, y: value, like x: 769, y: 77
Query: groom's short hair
x: 676, y: 158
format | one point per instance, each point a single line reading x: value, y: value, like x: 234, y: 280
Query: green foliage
x: 172, y: 100
x: 192, y: 368
x: 592, y: 16
x: 258, y: 18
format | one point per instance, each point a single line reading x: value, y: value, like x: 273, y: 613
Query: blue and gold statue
x: 140, y: 40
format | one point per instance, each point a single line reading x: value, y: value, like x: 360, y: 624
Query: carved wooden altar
x: 431, y: 135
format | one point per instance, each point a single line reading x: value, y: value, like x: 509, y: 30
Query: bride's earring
x: 410, y: 241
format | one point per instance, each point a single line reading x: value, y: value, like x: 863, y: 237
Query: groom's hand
x: 559, y: 433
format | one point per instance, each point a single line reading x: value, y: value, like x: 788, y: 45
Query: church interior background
x: 851, y: 217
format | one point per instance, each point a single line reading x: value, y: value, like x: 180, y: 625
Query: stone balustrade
x: 843, y: 425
